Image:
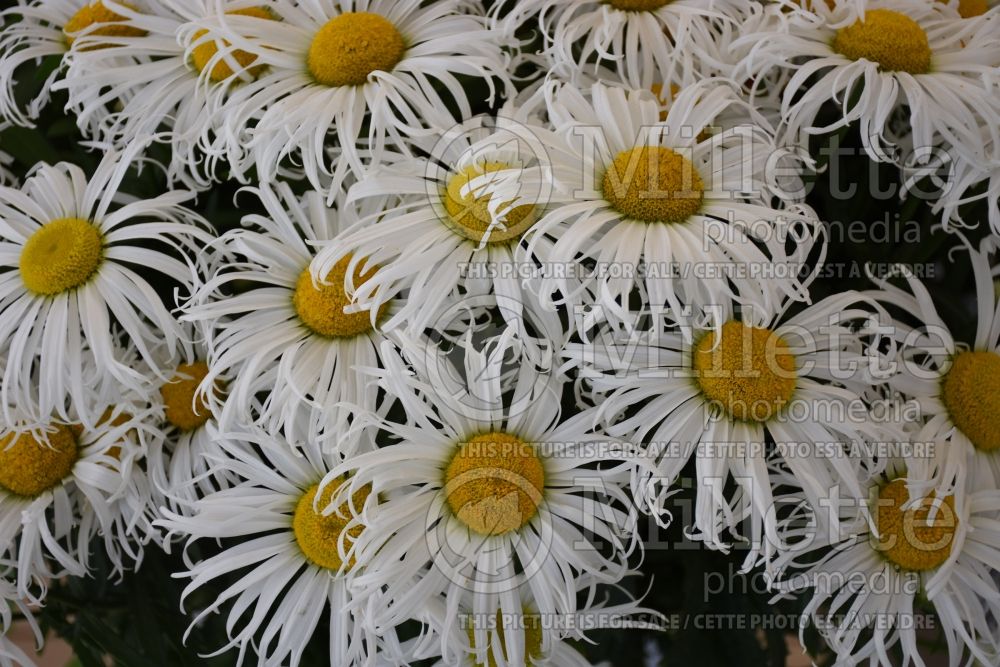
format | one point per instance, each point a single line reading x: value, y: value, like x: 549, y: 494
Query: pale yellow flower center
x: 318, y: 535
x: 751, y: 372
x: 653, y: 184
x: 494, y: 483
x: 971, y: 392
x: 96, y: 12
x: 29, y: 467
x: 61, y: 255
x: 202, y: 54
x: 353, y: 45
x: 905, y: 538
x: 183, y: 406
x: 321, y: 308
x: 469, y: 215
x: 893, y: 40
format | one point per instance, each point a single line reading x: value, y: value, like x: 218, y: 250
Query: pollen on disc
x: 494, y: 483
x: 351, y: 46
x: 61, y: 255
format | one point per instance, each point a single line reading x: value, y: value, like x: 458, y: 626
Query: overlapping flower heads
x: 508, y: 278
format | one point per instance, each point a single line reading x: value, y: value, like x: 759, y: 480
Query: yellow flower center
x: 532, y: 638
x: 318, y: 535
x: 638, y: 5
x: 202, y: 54
x: 893, y: 40
x: 494, y: 483
x: 114, y: 451
x: 751, y: 372
x: 183, y: 406
x: 61, y: 255
x: 96, y: 12
x: 469, y: 215
x: 971, y: 392
x: 321, y: 308
x: 905, y: 537
x: 29, y: 467
x: 353, y: 45
x: 970, y: 8
x: 653, y: 184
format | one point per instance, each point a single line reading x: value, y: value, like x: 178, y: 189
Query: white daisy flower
x: 286, y: 553
x: 282, y: 342
x: 480, y: 636
x: 874, y: 57
x: 438, y: 234
x: 69, y: 248
x: 485, y: 490
x: 180, y: 465
x: 893, y: 553
x: 64, y: 484
x: 45, y: 28
x: 644, y: 42
x: 649, y: 202
x: 956, y: 385
x: 799, y: 381
x: 335, y: 66
x: 171, y: 76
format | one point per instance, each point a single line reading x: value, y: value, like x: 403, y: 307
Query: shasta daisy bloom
x: 167, y: 82
x: 898, y: 551
x: 799, y: 381
x: 336, y: 66
x: 283, y: 334
x: 69, y: 246
x: 180, y: 465
x: 37, y: 29
x: 286, y: 553
x: 645, y: 42
x: 876, y: 57
x: 63, y: 485
x: 484, y: 490
x: 438, y: 233
x: 645, y: 201
x: 956, y: 385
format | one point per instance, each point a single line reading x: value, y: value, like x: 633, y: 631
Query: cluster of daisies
x: 424, y: 401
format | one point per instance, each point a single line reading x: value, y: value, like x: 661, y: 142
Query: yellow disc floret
x: 94, y: 13
x: 971, y: 392
x: 893, y: 40
x: 637, y: 5
x: 321, y: 308
x: 905, y: 537
x: 469, y: 215
x: 494, y: 483
x: 318, y: 535
x: 353, y: 45
x: 968, y: 9
x: 751, y: 372
x: 30, y: 467
x: 202, y: 54
x: 183, y: 406
x: 653, y: 184
x: 532, y: 638
x: 61, y: 255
